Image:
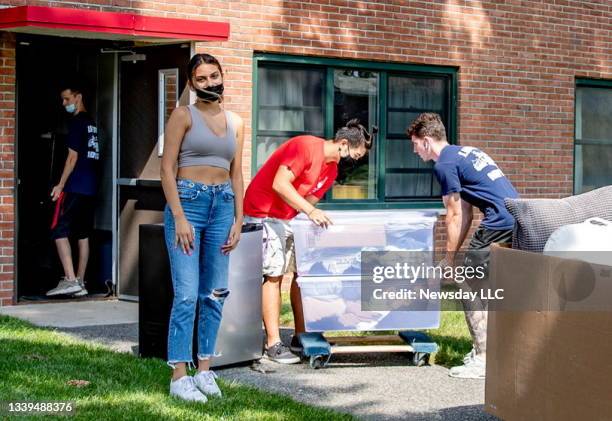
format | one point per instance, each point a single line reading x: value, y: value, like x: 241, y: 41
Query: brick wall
x: 518, y: 62
x: 7, y: 167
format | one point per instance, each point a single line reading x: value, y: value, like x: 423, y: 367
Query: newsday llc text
x: 427, y: 294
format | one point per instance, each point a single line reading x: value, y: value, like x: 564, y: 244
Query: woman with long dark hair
x: 203, y: 220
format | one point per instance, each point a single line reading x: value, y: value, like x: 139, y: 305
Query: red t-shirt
x: 313, y: 176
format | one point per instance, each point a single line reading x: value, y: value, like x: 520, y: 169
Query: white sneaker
x: 205, y: 381
x: 474, y: 367
x: 65, y: 286
x: 83, y: 292
x: 185, y: 389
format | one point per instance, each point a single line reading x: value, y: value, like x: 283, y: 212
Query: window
x: 355, y: 96
x: 290, y: 103
x: 593, y: 137
x: 407, y: 176
x: 298, y: 95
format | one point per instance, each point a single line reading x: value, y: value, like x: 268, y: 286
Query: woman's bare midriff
x: 204, y: 174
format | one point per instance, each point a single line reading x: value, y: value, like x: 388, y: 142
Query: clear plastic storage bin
x: 329, y: 267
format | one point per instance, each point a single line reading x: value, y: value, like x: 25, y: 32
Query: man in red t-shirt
x: 293, y: 180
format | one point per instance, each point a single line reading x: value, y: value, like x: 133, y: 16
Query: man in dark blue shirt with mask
x: 75, y: 193
x: 468, y: 177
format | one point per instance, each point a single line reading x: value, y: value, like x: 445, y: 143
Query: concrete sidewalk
x: 68, y: 314
x: 369, y: 386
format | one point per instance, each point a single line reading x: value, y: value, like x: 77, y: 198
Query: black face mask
x: 210, y: 94
x: 348, y: 160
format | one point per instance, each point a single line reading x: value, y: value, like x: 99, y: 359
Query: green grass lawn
x: 36, y: 364
x: 452, y: 337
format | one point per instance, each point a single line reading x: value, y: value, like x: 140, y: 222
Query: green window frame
x: 592, y: 166
x: 385, y: 71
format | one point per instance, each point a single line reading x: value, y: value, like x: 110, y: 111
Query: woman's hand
x: 185, y: 234
x: 232, y: 239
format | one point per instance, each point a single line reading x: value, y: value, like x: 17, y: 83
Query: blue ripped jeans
x: 202, y: 276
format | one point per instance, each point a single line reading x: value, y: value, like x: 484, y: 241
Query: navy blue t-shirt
x: 477, y: 178
x: 83, y: 139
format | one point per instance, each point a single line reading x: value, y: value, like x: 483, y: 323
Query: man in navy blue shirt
x: 75, y: 194
x: 468, y: 177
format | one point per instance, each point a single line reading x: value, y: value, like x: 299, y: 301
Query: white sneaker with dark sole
x: 280, y: 353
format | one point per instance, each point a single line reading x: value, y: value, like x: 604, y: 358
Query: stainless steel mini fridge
x: 241, y: 333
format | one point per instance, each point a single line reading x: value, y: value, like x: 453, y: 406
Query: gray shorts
x: 278, y: 245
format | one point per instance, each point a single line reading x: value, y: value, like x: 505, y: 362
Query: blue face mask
x: 70, y: 108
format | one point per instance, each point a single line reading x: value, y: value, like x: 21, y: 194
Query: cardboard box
x: 549, y: 344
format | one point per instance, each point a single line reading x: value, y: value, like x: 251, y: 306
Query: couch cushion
x: 536, y: 219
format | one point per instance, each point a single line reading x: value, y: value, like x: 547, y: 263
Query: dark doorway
x: 44, y: 64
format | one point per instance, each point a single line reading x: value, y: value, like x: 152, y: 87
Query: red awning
x: 84, y: 23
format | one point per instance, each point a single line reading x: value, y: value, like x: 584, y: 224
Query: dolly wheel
x: 317, y: 361
x: 419, y: 359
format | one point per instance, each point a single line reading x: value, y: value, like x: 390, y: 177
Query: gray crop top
x: 202, y: 147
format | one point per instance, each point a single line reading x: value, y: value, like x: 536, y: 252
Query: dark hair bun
x: 354, y: 122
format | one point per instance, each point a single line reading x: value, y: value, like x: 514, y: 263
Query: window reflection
x: 356, y: 96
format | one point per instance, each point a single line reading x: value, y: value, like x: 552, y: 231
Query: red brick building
x: 530, y: 82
